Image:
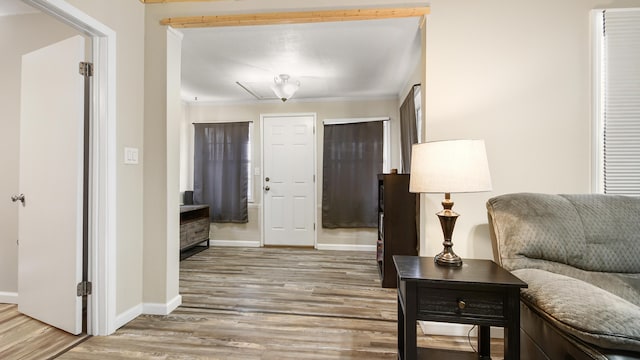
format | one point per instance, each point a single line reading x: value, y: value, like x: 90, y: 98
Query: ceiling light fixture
x: 284, y: 89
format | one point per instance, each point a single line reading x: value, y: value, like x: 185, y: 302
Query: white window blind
x: 619, y: 96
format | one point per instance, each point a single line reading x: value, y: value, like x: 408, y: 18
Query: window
x: 221, y: 170
x: 250, y: 164
x: 417, y: 100
x: 353, y: 156
x: 410, y: 125
x: 617, y: 101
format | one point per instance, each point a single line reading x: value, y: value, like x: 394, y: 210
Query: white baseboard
x: 123, y: 318
x: 446, y: 329
x: 234, y: 243
x: 8, y: 297
x: 346, y: 247
x: 147, y: 308
x: 162, y: 309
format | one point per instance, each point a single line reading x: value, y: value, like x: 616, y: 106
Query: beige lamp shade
x: 450, y: 166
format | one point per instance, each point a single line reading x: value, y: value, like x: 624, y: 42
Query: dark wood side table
x: 479, y: 292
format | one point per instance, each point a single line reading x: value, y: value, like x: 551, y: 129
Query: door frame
x: 101, y: 307
x: 315, y: 167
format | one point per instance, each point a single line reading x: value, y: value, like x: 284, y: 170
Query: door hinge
x: 86, y: 69
x: 84, y: 288
x: 314, y: 178
x: 314, y: 226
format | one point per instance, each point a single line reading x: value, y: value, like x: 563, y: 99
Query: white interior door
x: 51, y: 174
x: 288, y: 183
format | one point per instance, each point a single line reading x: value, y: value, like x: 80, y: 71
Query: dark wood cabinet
x: 397, y: 228
x: 194, y: 229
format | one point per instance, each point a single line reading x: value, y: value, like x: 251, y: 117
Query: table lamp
x: 452, y: 166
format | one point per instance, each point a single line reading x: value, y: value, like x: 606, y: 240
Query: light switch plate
x: 130, y: 155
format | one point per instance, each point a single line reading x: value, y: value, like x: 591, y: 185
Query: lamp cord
x: 469, y: 338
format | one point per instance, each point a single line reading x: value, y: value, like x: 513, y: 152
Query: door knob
x: 16, y: 198
x: 266, y: 188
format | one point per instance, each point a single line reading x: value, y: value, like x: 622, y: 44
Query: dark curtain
x: 352, y: 160
x: 220, y: 170
x: 408, y: 131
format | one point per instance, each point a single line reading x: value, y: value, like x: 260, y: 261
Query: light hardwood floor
x: 22, y: 337
x: 269, y: 303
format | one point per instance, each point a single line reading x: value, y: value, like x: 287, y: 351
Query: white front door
x: 51, y: 179
x: 289, y: 180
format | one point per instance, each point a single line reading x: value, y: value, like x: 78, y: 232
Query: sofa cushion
x: 611, y: 231
x: 537, y: 226
x: 591, y: 232
x: 583, y: 310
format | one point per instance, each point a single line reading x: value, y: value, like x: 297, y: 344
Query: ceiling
x: 15, y: 7
x: 336, y: 60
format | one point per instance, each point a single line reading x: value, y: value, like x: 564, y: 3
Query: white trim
x: 179, y: 34
x: 354, y: 120
x: 316, y: 178
x: 597, y: 181
x: 447, y: 329
x: 208, y: 122
x: 102, y: 212
x: 261, y: 212
x: 417, y: 100
x: 162, y: 309
x: 235, y: 243
x: 346, y: 247
x: 8, y: 297
x: 386, y: 147
x: 128, y: 315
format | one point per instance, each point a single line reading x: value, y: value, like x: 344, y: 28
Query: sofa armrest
x: 583, y: 310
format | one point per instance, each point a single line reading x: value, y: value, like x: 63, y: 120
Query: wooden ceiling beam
x: 292, y: 17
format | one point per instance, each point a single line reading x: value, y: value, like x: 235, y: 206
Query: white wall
x: 126, y: 18
x: 517, y: 74
x: 207, y: 112
x: 19, y: 35
x: 163, y: 115
x: 174, y: 112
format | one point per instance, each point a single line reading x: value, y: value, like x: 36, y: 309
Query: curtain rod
x: 223, y: 122
x: 354, y: 120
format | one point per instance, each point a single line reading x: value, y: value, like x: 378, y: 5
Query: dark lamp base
x: 448, y: 259
x: 447, y: 221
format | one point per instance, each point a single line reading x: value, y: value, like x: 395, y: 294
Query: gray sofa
x: 580, y: 256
